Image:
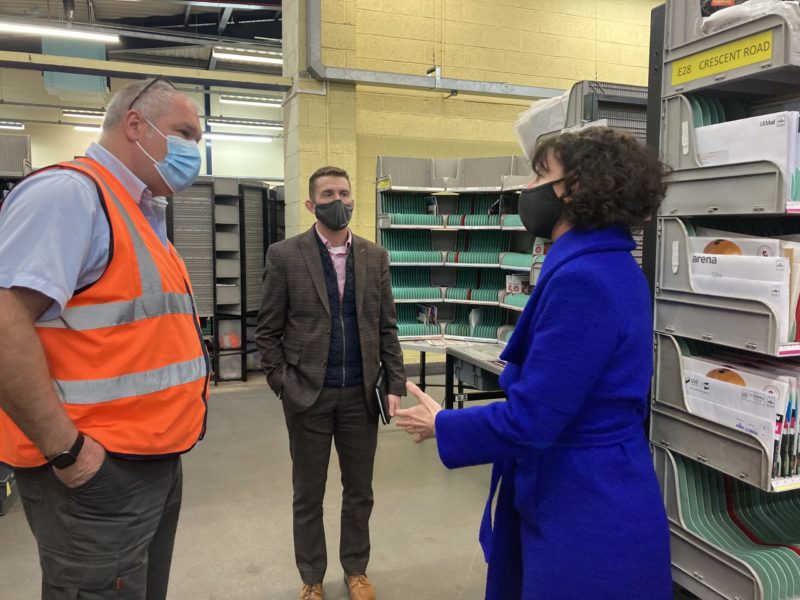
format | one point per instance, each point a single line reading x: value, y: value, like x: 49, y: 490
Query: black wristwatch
x: 68, y: 458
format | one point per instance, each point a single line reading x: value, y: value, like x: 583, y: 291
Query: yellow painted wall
x: 528, y: 42
x: 532, y: 42
x: 543, y: 43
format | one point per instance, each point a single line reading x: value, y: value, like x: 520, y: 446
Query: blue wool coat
x: 579, y: 513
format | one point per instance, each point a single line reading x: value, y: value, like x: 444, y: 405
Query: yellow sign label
x: 743, y: 52
x: 384, y: 183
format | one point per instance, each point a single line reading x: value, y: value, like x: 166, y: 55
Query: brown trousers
x: 341, y: 415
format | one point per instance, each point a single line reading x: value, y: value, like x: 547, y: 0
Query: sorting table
x: 476, y: 365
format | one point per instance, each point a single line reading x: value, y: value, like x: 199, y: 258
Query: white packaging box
x: 770, y: 137
x: 761, y: 394
x: 518, y: 284
x: 736, y: 398
x: 790, y: 249
x: 541, y: 246
x: 749, y: 277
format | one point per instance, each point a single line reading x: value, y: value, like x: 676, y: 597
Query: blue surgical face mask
x: 181, y: 165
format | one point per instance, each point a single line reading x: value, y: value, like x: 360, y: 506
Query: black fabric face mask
x: 335, y: 215
x: 540, y: 208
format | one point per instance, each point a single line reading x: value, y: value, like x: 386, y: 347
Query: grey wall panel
x: 254, y: 198
x: 193, y: 227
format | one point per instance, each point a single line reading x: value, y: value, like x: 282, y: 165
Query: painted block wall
x: 531, y: 42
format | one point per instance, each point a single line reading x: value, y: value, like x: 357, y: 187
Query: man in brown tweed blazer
x: 326, y: 325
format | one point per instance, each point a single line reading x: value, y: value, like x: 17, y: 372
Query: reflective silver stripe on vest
x: 96, y: 391
x: 97, y: 316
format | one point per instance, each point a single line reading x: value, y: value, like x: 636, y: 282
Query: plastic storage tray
x: 735, y: 322
x: 230, y: 366
x: 226, y: 214
x: 672, y: 426
x: 735, y: 189
x: 227, y: 241
x: 472, y: 375
x: 698, y: 566
x: 772, y: 69
x: 229, y: 294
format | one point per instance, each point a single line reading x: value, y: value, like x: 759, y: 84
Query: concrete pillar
x: 319, y: 125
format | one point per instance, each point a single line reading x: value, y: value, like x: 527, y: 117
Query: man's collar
x: 327, y: 243
x: 134, y: 186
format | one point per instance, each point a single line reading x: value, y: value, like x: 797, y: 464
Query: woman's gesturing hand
x: 419, y: 420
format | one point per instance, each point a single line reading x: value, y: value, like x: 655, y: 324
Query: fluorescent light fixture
x: 91, y: 128
x: 83, y: 114
x: 62, y: 32
x: 251, y: 101
x: 233, y: 137
x: 246, y: 124
x: 17, y: 125
x: 227, y: 5
x: 248, y: 56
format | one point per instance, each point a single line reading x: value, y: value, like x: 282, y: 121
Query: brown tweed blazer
x: 294, y: 322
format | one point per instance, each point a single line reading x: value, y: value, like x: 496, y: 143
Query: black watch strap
x: 68, y: 458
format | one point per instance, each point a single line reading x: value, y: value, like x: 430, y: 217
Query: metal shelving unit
x: 459, y: 194
x: 190, y: 225
x: 682, y: 63
x: 230, y: 281
x: 222, y: 228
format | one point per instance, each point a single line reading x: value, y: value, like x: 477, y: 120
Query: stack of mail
x: 741, y: 266
x: 755, y: 395
x: 772, y: 137
x: 756, y: 398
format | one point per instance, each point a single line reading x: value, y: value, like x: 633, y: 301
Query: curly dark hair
x: 610, y: 177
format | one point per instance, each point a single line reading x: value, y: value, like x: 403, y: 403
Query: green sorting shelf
x: 753, y: 526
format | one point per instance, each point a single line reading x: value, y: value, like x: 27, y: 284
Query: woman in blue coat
x: 579, y: 514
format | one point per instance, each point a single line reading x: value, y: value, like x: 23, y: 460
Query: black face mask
x: 540, y: 208
x: 335, y: 215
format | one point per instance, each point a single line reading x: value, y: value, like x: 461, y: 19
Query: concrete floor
x: 235, y: 539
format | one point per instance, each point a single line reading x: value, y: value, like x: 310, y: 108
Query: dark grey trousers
x: 111, y: 537
x: 339, y: 414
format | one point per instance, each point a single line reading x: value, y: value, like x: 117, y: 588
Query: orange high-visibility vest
x: 126, y: 355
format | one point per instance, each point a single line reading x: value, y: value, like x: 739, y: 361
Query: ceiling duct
x: 72, y: 87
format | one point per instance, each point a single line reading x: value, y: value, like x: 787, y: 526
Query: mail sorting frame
x: 697, y: 565
x: 257, y: 229
x: 443, y: 179
x: 230, y: 291
x: 746, y: 189
x: 190, y: 227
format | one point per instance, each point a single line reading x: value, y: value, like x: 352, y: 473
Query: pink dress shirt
x: 339, y: 258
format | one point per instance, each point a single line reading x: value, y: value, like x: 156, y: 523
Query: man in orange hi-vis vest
x: 103, y: 371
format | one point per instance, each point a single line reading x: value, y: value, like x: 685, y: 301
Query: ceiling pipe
x: 444, y: 84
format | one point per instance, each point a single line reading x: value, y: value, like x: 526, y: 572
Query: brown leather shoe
x: 311, y: 592
x: 360, y: 587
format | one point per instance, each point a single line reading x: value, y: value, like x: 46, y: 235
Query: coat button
x: 324, y: 363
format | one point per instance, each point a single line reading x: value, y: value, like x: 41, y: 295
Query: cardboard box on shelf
x: 518, y: 284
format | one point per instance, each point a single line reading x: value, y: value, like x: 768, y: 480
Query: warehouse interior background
x: 284, y: 87
x: 530, y: 44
